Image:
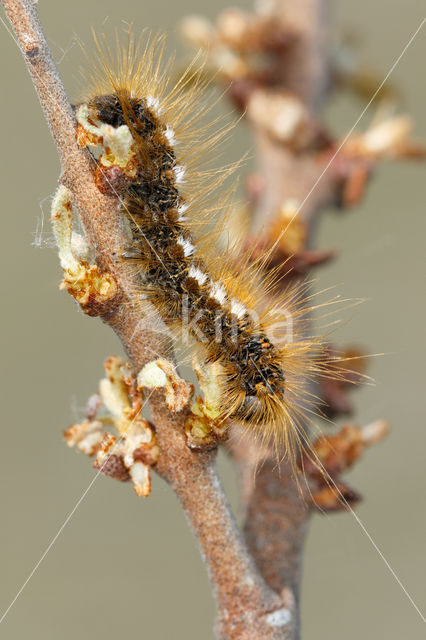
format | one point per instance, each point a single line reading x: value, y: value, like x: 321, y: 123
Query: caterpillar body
x: 165, y: 196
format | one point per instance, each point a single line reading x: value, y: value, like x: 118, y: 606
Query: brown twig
x: 247, y: 607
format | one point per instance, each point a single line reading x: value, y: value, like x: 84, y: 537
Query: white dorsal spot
x: 153, y: 103
x: 183, y: 207
x: 179, y: 173
x: 238, y: 309
x: 197, y: 274
x: 187, y: 246
x: 181, y: 210
x: 218, y: 292
x: 170, y: 135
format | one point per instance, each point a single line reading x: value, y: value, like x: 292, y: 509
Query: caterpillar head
x: 255, y: 386
x: 262, y: 405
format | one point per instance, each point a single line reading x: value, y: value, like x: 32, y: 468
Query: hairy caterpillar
x: 194, y: 283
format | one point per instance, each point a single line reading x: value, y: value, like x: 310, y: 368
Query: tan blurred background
x: 123, y: 565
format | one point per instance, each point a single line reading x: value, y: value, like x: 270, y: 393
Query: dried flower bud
x: 141, y: 479
x: 86, y: 436
x: 162, y: 374
x: 289, y: 228
x: 203, y: 427
x: 338, y: 452
x: 200, y: 430
x: 387, y: 137
x: 80, y: 247
x: 113, y: 466
x: 282, y: 115
x: 93, y: 405
x: 197, y: 31
x: 335, y: 498
x: 113, y: 389
x: 118, y: 165
x: 230, y: 64
x: 236, y: 28
x: 375, y: 432
x: 130, y: 456
x: 94, y: 290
